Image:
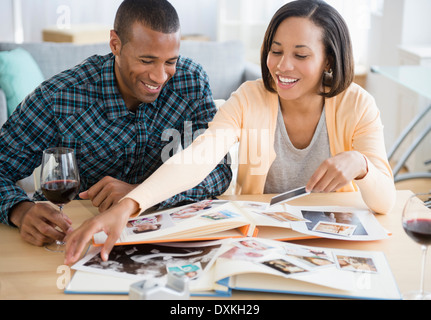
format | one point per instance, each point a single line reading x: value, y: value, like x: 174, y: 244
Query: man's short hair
x: 158, y: 15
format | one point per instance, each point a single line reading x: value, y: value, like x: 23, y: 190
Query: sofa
x: 224, y: 63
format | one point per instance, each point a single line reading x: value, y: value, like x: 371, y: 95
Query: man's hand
x: 40, y: 223
x: 112, y: 222
x: 106, y: 193
x: 338, y: 171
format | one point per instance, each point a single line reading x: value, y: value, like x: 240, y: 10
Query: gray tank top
x: 292, y: 167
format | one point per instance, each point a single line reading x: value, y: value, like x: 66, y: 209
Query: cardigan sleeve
x: 377, y: 187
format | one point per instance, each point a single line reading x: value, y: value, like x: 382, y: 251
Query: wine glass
x: 417, y: 224
x: 59, y: 181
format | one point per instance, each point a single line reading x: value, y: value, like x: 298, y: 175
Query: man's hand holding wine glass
x: 39, y: 223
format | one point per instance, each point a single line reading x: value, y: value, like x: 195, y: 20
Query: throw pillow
x: 19, y: 76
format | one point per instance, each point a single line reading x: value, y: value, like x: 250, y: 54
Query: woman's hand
x: 338, y: 171
x: 112, y: 222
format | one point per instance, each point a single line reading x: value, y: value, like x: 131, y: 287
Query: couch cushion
x: 224, y: 63
x: 19, y: 75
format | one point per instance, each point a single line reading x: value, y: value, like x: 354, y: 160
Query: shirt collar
x: 114, y: 105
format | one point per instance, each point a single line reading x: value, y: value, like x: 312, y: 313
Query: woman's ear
x: 329, y: 64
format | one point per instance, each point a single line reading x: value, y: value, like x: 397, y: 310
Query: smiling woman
x: 328, y: 37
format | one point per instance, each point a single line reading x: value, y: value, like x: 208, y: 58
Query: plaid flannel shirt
x: 82, y: 108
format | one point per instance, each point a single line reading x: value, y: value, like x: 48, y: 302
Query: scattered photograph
x: 220, y: 215
x: 192, y: 210
x: 148, y: 224
x: 148, y: 261
x: 191, y: 271
x: 283, y: 266
x: 335, y: 228
x: 357, y: 264
x: 252, y: 244
x: 254, y: 205
x: 282, y: 216
x: 238, y: 253
x: 311, y: 257
x: 340, y: 218
x: 247, y: 249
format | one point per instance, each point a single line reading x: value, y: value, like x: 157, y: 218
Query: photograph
x: 149, y: 261
x: 357, y: 264
x: 282, y: 216
x: 148, y: 224
x: 338, y: 218
x: 283, y: 266
x: 252, y: 244
x: 238, y: 253
x: 221, y: 215
x: 191, y: 271
x: 192, y: 210
x: 335, y: 228
x: 311, y: 257
x: 253, y: 205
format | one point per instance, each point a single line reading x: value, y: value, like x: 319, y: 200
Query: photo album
x: 218, y: 219
x: 221, y: 246
x: 216, y: 268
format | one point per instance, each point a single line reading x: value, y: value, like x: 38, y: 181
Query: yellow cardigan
x: 249, y: 117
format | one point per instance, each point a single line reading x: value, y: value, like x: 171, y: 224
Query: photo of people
x: 335, y: 228
x: 311, y: 257
x: 282, y: 216
x: 358, y: 264
x: 247, y: 249
x: 238, y: 253
x: 149, y: 261
x: 191, y: 271
x: 283, y: 266
x: 149, y: 224
x: 192, y: 210
x: 334, y: 222
x: 220, y: 215
x: 253, y: 244
x: 254, y: 205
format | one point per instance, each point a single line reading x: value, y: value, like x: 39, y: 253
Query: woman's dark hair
x: 158, y: 15
x: 336, y: 39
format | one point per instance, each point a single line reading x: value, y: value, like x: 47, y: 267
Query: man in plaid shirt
x: 113, y: 111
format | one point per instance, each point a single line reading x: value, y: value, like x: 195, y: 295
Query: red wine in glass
x: 59, y: 181
x: 419, y: 230
x: 416, y: 222
x: 60, y: 192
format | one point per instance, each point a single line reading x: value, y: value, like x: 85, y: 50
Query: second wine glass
x: 417, y: 224
x: 59, y: 181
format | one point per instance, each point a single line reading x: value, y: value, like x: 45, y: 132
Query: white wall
x: 196, y: 16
